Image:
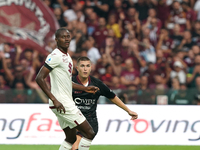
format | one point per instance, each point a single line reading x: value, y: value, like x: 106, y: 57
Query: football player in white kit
x: 59, y: 66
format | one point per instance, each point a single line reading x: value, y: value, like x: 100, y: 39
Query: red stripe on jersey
x: 78, y: 80
x: 89, y: 79
x: 63, y: 52
x: 76, y: 122
x: 52, y: 107
x: 85, y: 146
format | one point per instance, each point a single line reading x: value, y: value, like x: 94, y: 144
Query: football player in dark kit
x: 87, y: 102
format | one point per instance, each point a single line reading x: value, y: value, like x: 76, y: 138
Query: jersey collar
x: 89, y: 80
x: 62, y: 51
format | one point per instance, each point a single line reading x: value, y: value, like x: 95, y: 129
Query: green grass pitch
x: 100, y: 147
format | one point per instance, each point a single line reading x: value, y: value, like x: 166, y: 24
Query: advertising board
x: 156, y: 125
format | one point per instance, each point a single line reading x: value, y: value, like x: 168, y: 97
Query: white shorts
x: 69, y: 120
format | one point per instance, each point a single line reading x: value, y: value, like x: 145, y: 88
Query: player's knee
x: 71, y: 140
x: 91, y: 134
x: 74, y: 139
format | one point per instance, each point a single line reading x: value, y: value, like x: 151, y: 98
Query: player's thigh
x: 86, y: 130
x: 70, y: 134
x: 94, y: 124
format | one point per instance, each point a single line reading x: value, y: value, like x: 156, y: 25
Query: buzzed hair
x: 185, y: 3
x: 59, y: 31
x: 84, y: 58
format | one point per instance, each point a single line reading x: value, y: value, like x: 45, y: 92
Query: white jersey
x: 61, y: 67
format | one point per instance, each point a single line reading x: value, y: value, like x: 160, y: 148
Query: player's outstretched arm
x: 89, y: 89
x: 119, y: 103
x: 40, y: 79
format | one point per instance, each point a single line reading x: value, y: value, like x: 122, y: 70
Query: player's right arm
x: 40, y: 79
x: 88, y: 89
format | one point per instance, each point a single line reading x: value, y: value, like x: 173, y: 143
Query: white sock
x: 84, y: 144
x: 65, y: 146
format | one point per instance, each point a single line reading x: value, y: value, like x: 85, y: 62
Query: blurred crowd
x: 149, y: 49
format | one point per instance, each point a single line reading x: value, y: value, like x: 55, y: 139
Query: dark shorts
x: 94, y: 123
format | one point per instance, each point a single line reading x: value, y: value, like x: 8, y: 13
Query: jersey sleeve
x: 52, y: 61
x: 105, y: 90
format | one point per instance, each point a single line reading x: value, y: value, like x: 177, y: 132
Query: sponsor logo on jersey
x: 84, y: 101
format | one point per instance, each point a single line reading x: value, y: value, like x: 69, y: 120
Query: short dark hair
x: 107, y: 65
x: 150, y: 63
x: 176, y: 1
x: 131, y: 7
x: 83, y: 58
x: 197, y: 21
x: 185, y: 3
x: 28, y: 50
x: 59, y: 31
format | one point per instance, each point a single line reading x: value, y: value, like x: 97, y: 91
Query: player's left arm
x: 89, y: 89
x: 108, y: 93
x: 119, y: 103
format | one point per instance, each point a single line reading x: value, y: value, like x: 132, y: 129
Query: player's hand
x: 133, y: 114
x: 91, y: 89
x: 18, y: 49
x: 122, y: 16
x: 59, y: 106
x: 136, y: 15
